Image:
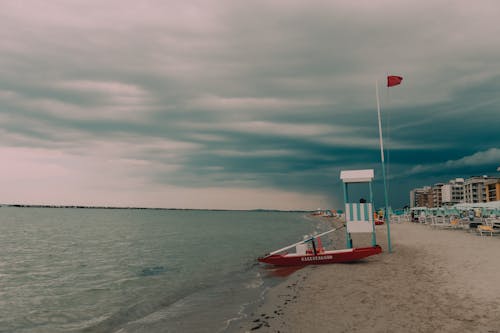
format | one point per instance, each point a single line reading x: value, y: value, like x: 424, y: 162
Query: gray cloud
x: 222, y: 95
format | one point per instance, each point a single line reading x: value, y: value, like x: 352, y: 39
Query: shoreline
x: 435, y: 280
x: 149, y: 208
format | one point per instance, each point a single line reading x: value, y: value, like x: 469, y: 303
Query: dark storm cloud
x: 263, y: 94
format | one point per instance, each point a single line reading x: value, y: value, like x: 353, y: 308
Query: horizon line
x: 147, y: 208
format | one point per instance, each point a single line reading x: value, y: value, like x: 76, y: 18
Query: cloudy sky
x: 242, y: 104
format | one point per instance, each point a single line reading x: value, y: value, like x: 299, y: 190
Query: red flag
x: 394, y: 80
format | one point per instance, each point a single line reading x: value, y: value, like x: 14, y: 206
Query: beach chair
x: 496, y: 223
x: 439, y: 222
x: 435, y: 221
x: 487, y: 228
x: 453, y: 222
x: 394, y: 218
x: 399, y: 218
x: 456, y: 223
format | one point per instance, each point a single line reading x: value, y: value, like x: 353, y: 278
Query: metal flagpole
x: 387, y: 218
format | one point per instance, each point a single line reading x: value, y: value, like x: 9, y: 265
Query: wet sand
x: 434, y: 281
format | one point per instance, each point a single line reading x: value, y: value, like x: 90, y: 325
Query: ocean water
x: 133, y: 270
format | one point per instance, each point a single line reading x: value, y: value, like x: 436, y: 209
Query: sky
x: 234, y: 104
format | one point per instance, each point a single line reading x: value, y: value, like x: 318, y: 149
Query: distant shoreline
x: 153, y: 208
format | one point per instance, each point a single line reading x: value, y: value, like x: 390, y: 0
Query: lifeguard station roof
x: 356, y: 176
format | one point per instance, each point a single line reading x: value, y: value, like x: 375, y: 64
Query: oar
x: 302, y: 242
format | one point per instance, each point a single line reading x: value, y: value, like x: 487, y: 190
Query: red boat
x: 325, y: 257
x: 317, y: 255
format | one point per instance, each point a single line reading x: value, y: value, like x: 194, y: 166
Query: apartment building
x: 475, y: 189
x: 421, y: 197
x: 492, y: 189
x: 453, y: 192
x: 437, y: 195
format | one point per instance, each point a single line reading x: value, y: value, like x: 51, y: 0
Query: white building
x: 475, y: 189
x: 453, y: 192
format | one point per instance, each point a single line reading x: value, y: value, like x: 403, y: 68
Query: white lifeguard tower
x: 358, y: 215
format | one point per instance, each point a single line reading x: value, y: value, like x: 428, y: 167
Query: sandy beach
x: 433, y: 281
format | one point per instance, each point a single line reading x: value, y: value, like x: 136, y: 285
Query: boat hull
x: 326, y: 257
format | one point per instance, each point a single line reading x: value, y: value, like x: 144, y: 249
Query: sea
x: 138, y: 270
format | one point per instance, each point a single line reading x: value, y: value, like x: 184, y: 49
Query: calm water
x: 97, y: 270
